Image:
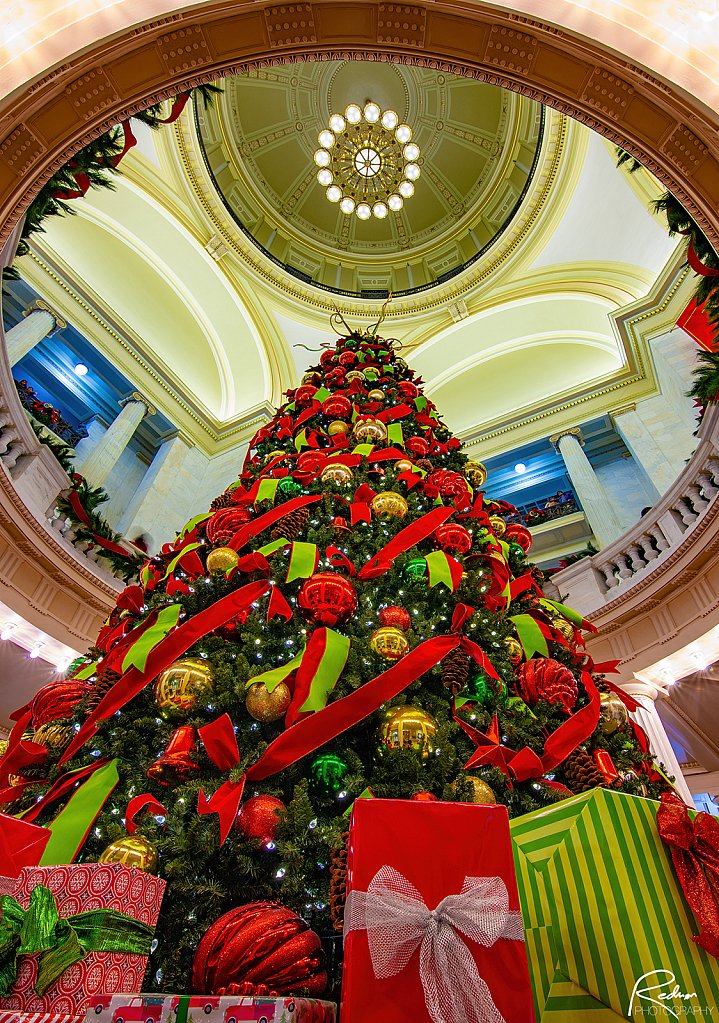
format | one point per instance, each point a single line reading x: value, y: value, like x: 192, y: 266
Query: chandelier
x: 367, y: 161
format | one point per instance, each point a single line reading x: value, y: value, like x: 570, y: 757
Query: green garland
x: 127, y: 566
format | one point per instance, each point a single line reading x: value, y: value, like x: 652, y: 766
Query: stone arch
x: 53, y: 117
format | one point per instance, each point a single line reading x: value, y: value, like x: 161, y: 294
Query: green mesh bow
x: 61, y: 942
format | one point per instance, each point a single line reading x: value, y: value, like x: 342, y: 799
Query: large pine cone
x: 543, y: 678
x: 291, y: 525
x: 223, y: 501
x: 455, y: 669
x: 224, y: 524
x: 580, y: 772
x: 338, y: 883
x: 106, y: 679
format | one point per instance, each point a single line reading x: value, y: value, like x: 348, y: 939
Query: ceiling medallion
x: 367, y: 161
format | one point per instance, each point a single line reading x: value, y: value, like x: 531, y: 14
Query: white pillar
x: 164, y: 499
x: 649, y: 719
x: 592, y: 497
x: 646, y: 452
x: 40, y: 320
x: 99, y: 463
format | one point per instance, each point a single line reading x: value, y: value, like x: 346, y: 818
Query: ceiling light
x: 326, y: 139
x: 62, y: 665
x: 81, y: 369
x: 412, y: 171
x: 395, y: 202
x: 347, y: 205
x: 699, y: 659
x: 372, y: 112
x: 380, y: 210
x: 668, y: 677
x: 337, y: 122
x: 353, y: 114
x: 406, y: 189
x: 334, y: 194
x: 35, y: 652
x: 520, y: 467
x: 7, y: 630
x: 403, y: 133
x: 324, y: 176
x: 363, y: 211
x: 389, y: 119
x: 411, y: 152
x: 322, y: 157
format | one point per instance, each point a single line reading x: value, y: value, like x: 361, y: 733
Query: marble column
x: 646, y: 716
x: 592, y: 497
x: 164, y: 498
x: 650, y: 458
x: 98, y: 464
x: 40, y: 320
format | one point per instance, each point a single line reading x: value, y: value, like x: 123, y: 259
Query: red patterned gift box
x: 81, y: 888
x: 433, y: 930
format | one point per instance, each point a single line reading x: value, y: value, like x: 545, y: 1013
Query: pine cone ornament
x: 543, y: 678
x: 291, y: 525
x: 580, y: 771
x: 223, y: 501
x: 455, y: 669
x: 424, y: 463
x: 106, y: 679
x: 338, y: 883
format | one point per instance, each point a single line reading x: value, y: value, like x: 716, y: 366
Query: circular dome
x: 466, y: 152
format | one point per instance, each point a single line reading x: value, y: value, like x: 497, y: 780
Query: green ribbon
x: 69, y: 829
x: 303, y: 561
x: 530, y: 636
x: 328, y: 671
x: 301, y: 440
x: 394, y: 435
x: 363, y: 449
x: 273, y: 545
x: 172, y: 565
x: 267, y: 490
x: 420, y: 403
x: 86, y: 672
x: 439, y: 570
x: 61, y: 943
x: 140, y: 650
x: 321, y: 393
x: 197, y: 520
x: 567, y: 612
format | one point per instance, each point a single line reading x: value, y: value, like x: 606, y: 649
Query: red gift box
x: 433, y: 930
x: 79, y: 888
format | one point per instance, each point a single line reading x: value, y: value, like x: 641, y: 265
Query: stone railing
x: 664, y: 531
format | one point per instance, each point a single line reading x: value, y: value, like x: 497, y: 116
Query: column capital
x: 623, y: 411
x: 574, y: 431
x: 41, y: 306
x: 140, y: 399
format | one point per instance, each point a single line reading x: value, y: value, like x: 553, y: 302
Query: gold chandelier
x: 367, y: 161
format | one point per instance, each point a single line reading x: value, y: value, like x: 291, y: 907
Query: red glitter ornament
x: 335, y: 374
x: 347, y: 359
x: 423, y: 797
x: 229, y: 631
x: 408, y: 389
x: 395, y: 617
x: 543, y: 678
x: 337, y: 407
x: 259, y: 943
x: 327, y: 357
x: 453, y: 485
x: 57, y: 700
x: 453, y: 538
x: 257, y: 818
x: 304, y: 394
x: 417, y: 446
x: 224, y: 524
x: 327, y: 599
x: 519, y: 534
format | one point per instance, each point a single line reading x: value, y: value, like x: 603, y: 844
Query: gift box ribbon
x: 62, y: 943
x: 397, y: 922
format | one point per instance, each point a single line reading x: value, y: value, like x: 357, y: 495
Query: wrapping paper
x: 144, y: 1008
x: 436, y: 848
x: 77, y: 889
x: 608, y: 929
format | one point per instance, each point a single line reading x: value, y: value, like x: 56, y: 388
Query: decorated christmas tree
x: 350, y: 620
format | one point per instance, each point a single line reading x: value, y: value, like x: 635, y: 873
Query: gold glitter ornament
x: 389, y: 503
x: 566, y: 628
x: 475, y: 473
x: 498, y: 525
x: 134, y: 851
x: 376, y: 395
x: 263, y: 705
x: 274, y: 454
x: 221, y: 560
x: 389, y: 642
x: 480, y: 791
x: 369, y: 431
x: 407, y: 726
x: 516, y: 651
x: 181, y: 686
x: 354, y: 374
x: 53, y: 736
x: 336, y: 472
x: 337, y: 426
x: 403, y: 465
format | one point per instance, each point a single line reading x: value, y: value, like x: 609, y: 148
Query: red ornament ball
x: 327, y: 357
x: 327, y: 599
x: 417, y: 446
x: 337, y: 407
x: 423, y: 797
x: 224, y: 524
x: 57, y: 700
x: 543, y: 678
x: 453, y: 485
x: 304, y: 394
x: 519, y: 534
x: 336, y: 374
x: 259, y: 943
x: 395, y: 617
x: 453, y: 538
x: 257, y: 818
x: 348, y: 359
x: 408, y: 389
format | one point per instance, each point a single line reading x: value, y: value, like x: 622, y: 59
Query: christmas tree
x: 349, y: 620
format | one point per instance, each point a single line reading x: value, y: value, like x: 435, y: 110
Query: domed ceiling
x: 477, y: 150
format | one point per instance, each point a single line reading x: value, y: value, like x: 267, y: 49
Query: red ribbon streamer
x: 84, y: 518
x: 405, y: 539
x: 278, y: 606
x: 18, y: 753
x: 219, y: 740
x: 696, y: 264
x: 61, y: 786
x: 250, y: 529
x: 137, y: 804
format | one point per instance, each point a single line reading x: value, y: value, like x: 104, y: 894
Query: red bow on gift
x: 694, y: 845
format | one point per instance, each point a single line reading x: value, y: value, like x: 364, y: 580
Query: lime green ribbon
x: 530, y: 636
x: 61, y: 943
x: 138, y: 653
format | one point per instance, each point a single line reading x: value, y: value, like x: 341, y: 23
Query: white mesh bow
x: 397, y: 920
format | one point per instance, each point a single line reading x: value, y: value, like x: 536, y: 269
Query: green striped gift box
x: 606, y: 921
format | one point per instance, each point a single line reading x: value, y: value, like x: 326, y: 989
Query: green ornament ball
x: 289, y: 487
x: 327, y: 775
x: 485, y: 691
x: 415, y: 571
x: 518, y: 551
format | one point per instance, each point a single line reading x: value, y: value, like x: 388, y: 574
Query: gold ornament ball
x: 376, y: 395
x: 311, y: 377
x: 369, y: 431
x: 566, y: 628
x: 337, y: 426
x: 274, y: 454
x: 3, y: 747
x: 480, y: 791
x: 389, y: 642
x: 389, y: 503
x: 354, y: 374
x: 499, y: 526
x: 516, y: 651
x: 336, y: 472
x: 221, y: 560
x: 263, y: 705
x: 53, y: 737
x: 179, y: 688
x: 613, y: 712
x: 403, y: 465
x: 408, y: 726
x: 134, y: 851
x: 475, y: 473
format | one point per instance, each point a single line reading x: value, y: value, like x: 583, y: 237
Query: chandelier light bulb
x: 353, y: 114
x: 324, y: 176
x: 347, y: 205
x: 406, y: 189
x: 322, y: 158
x: 363, y: 211
x: 395, y: 202
x: 411, y: 152
x: 327, y: 139
x: 403, y: 133
x: 380, y: 210
x: 371, y: 112
x: 412, y: 171
x: 337, y: 123
x: 334, y: 194
x: 389, y: 120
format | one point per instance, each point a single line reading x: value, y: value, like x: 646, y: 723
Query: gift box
x: 112, y: 910
x: 144, y: 1008
x: 432, y: 923
x: 609, y: 933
